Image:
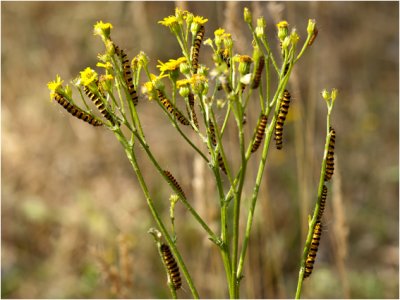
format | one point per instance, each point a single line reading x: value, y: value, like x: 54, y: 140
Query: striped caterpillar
x: 312, y: 253
x: 330, y: 163
x: 323, y: 202
x: 174, y: 182
x: 171, y: 265
x: 171, y: 109
x: 99, y: 104
x: 196, y: 48
x: 127, y: 72
x: 262, y: 123
x: 258, y: 73
x: 76, y: 111
x: 283, y: 110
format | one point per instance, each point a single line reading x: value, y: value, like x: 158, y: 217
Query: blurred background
x: 74, y: 220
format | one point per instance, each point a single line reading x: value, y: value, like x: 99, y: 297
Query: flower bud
x: 282, y: 30
x: 325, y: 94
x: 184, y: 91
x: 248, y: 18
x: 244, y: 64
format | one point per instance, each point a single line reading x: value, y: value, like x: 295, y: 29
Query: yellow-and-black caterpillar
x: 127, y: 72
x: 312, y: 253
x: 258, y: 72
x: 173, y: 181
x: 323, y: 202
x: 171, y: 109
x: 196, y: 48
x: 330, y: 160
x: 76, y: 111
x: 262, y: 123
x: 283, y: 110
x: 171, y: 265
x: 99, y: 104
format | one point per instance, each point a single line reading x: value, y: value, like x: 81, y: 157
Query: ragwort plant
x: 227, y: 88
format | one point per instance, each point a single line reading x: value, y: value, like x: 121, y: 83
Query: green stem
x: 131, y: 156
x: 312, y: 222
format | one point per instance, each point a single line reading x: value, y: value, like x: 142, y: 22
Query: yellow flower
x: 88, y: 76
x: 219, y: 32
x: 171, y: 65
x: 55, y: 86
x: 282, y: 24
x: 106, y: 65
x: 102, y: 29
x: 182, y: 82
x: 169, y: 21
x: 245, y: 58
x: 199, y: 20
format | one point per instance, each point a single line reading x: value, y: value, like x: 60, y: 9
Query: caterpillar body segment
x: 174, y: 182
x: 283, y: 110
x: 171, y: 109
x: 258, y: 72
x: 262, y: 123
x: 171, y: 265
x: 76, y: 111
x: 196, y: 48
x: 312, y: 253
x: 99, y: 104
x: 330, y: 159
x: 322, y: 203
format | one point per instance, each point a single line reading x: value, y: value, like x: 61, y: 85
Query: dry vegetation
x: 74, y: 221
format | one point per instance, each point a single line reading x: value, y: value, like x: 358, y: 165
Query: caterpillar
x: 171, y: 109
x: 313, y: 37
x: 330, y: 163
x: 99, y: 104
x: 191, y: 105
x: 312, y: 253
x: 323, y: 202
x: 283, y: 110
x: 173, y: 181
x: 196, y: 48
x: 127, y: 74
x: 258, y: 73
x: 262, y: 123
x: 171, y: 265
x: 214, y: 143
x: 76, y: 111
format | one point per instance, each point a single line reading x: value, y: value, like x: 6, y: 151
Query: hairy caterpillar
x: 171, y: 265
x: 262, y: 123
x: 323, y: 202
x: 171, y: 109
x: 283, y: 110
x: 312, y: 253
x: 258, y: 73
x: 330, y: 163
x: 99, y: 104
x: 173, y: 181
x: 76, y: 111
x: 196, y: 48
